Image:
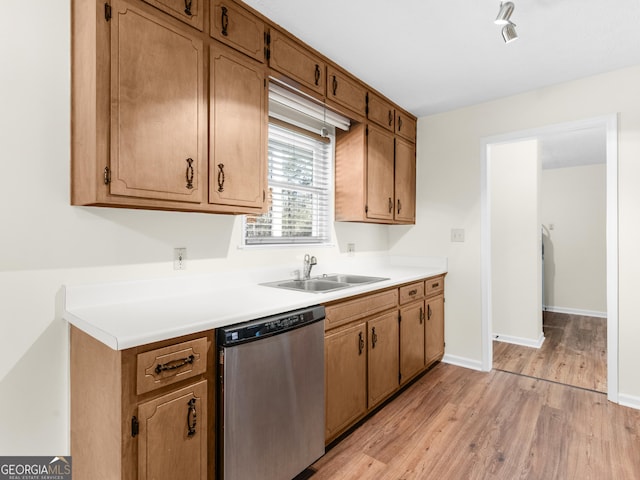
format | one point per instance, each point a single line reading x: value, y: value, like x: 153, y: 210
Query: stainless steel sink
x: 325, y: 283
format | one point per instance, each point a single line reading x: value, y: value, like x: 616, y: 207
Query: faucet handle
x: 313, y: 261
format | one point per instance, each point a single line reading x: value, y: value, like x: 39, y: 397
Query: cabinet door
x: 434, y: 331
x: 189, y: 11
x: 238, y: 28
x: 172, y: 440
x: 345, y: 378
x: 298, y: 64
x: 346, y: 91
x: 383, y: 357
x: 238, y: 129
x: 380, y: 111
x: 158, y: 121
x: 405, y: 182
x: 380, y: 183
x: 405, y: 126
x: 411, y: 340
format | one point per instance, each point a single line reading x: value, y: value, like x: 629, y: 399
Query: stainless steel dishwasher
x: 271, y: 396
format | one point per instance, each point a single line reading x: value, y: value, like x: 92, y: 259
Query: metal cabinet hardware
x: 163, y: 367
x: 360, y: 343
x: 191, y: 418
x: 421, y: 315
x: 399, y: 123
x: 221, y: 177
x: 374, y: 337
x: 390, y: 205
x: 399, y: 207
x: 429, y: 312
x: 335, y: 85
x: 225, y: 21
x: 413, y: 292
x: 317, y: 75
x: 189, y: 173
x: 187, y: 7
x: 390, y: 118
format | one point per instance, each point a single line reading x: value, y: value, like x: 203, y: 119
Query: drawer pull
x: 435, y: 285
x: 175, y: 364
x: 191, y: 418
x: 413, y: 292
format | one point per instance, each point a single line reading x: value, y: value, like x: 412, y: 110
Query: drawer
x: 434, y: 285
x: 413, y: 291
x: 168, y: 365
x: 361, y: 307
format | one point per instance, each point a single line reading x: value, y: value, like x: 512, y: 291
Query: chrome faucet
x: 309, y: 262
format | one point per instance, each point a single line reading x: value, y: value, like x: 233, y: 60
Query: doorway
x: 491, y: 312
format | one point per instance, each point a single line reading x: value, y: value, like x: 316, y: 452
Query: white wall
x: 46, y: 243
x: 573, y: 209
x: 516, y: 310
x: 449, y: 195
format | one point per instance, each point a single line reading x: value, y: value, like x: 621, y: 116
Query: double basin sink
x: 325, y: 283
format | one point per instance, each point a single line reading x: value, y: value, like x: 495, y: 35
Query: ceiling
x: 433, y: 56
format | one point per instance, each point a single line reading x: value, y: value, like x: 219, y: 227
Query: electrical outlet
x: 351, y: 249
x: 179, y: 258
x: 457, y: 234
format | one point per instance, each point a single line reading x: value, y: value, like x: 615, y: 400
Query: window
x: 299, y: 176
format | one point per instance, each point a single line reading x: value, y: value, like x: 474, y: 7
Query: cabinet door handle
x: 399, y: 123
x: 191, y: 417
x: 189, y: 173
x: 317, y: 75
x: 163, y: 367
x: 374, y: 337
x: 187, y: 7
x: 390, y: 118
x: 390, y: 205
x: 421, y: 315
x: 221, y: 177
x: 335, y: 85
x: 360, y: 343
x: 225, y: 21
x: 399, y: 207
x: 429, y: 312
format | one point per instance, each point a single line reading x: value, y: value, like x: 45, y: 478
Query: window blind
x: 299, y: 177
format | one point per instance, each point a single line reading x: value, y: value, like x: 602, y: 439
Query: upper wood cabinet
x: 238, y: 130
x: 189, y: 11
x: 405, y: 182
x: 406, y: 126
x: 238, y: 28
x: 295, y: 64
x: 380, y: 196
x: 380, y: 111
x: 158, y: 122
x: 344, y: 91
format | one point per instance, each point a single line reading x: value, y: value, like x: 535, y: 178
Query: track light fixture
x: 509, y: 32
x: 504, y: 18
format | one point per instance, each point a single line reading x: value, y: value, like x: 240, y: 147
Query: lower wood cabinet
x: 411, y: 340
x: 383, y: 357
x: 168, y: 447
x: 142, y: 413
x: 374, y: 344
x: 345, y: 378
x: 434, y: 329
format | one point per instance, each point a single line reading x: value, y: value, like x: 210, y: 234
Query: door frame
x: 610, y: 123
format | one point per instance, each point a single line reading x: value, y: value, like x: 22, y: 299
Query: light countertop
x: 128, y: 314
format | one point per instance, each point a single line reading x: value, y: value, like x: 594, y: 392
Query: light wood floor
x: 460, y: 424
x: 574, y: 352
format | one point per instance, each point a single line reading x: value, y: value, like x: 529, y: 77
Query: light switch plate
x: 457, y: 234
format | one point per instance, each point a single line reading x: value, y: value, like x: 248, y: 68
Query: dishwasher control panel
x: 264, y: 327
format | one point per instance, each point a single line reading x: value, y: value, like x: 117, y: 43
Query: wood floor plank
x: 456, y: 423
x: 574, y: 352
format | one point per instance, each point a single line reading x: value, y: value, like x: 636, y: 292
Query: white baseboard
x: 462, y: 362
x: 575, y: 311
x: 525, y: 342
x: 629, y: 401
